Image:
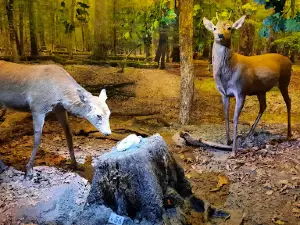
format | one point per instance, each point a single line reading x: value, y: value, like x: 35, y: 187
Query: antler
x: 217, y: 16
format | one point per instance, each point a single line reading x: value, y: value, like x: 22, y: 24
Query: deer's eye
x: 215, y: 28
x: 229, y: 28
x: 99, y: 117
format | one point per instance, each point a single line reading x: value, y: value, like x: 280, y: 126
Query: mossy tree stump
x: 143, y: 183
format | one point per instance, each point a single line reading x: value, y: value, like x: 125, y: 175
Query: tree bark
x: 12, y: 32
x: 160, y: 57
x: 186, y: 60
x: 41, y: 27
x: 293, y: 51
x: 21, y: 29
x: 176, y: 52
x: 102, y: 29
x: 70, y: 34
x: 114, y: 29
x: 33, y: 28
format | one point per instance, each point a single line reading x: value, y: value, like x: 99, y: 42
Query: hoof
x: 3, y: 167
x: 232, y: 155
x: 29, y: 173
x: 229, y: 142
x: 74, y: 166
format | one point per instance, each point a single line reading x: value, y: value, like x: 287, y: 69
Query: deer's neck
x: 222, y: 60
x: 79, y: 106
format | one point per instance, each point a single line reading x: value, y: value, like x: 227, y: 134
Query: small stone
x: 286, y: 182
x: 269, y: 192
x: 269, y: 147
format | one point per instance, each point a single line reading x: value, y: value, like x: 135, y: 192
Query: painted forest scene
x: 153, y: 112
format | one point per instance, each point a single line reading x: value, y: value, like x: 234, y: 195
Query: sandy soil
x: 264, y: 179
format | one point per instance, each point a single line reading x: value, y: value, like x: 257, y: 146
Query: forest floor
x: 263, y: 180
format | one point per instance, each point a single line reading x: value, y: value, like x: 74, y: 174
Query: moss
x: 205, y: 85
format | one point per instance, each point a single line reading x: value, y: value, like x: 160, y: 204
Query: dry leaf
x: 222, y: 181
x: 278, y: 221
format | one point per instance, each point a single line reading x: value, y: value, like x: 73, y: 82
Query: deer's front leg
x: 38, y: 123
x: 240, y: 100
x: 226, y: 103
x: 63, y: 120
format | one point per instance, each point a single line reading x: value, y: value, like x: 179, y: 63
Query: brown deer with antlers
x: 238, y: 76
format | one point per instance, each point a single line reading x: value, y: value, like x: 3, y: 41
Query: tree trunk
x: 21, y: 29
x: 33, y: 28
x: 176, y: 52
x: 83, y: 37
x: 114, y: 29
x: 102, y: 29
x: 41, y: 27
x: 12, y: 32
x: 147, y: 50
x: 293, y: 51
x: 186, y: 62
x: 70, y: 34
x: 162, y: 48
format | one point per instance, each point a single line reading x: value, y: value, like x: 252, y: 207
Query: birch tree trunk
x: 186, y: 59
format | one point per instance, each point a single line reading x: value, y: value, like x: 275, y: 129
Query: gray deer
x: 237, y: 76
x: 41, y: 89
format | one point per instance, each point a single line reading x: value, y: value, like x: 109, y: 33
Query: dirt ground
x: 263, y: 180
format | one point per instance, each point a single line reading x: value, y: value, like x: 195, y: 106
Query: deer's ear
x: 103, y: 95
x: 239, y: 22
x: 208, y: 24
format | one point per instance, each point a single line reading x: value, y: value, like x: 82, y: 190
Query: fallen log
x: 134, y: 114
x: 202, y: 143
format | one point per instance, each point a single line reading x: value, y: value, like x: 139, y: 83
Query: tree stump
x: 144, y: 184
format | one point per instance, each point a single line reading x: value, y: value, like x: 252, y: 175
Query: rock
x: 49, y: 201
x: 179, y: 141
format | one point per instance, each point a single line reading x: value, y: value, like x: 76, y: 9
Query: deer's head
x: 99, y: 113
x: 223, y: 29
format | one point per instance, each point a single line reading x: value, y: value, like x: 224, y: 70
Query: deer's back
x: 27, y: 87
x: 262, y: 72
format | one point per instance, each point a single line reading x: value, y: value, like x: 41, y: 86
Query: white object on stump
x: 129, y: 142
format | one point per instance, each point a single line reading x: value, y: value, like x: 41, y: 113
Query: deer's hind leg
x: 62, y: 117
x: 287, y: 100
x: 262, y: 107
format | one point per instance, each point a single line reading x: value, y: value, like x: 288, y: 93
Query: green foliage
x: 138, y: 26
x: 82, y: 15
x: 250, y: 8
x: 291, y: 42
x: 278, y: 20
